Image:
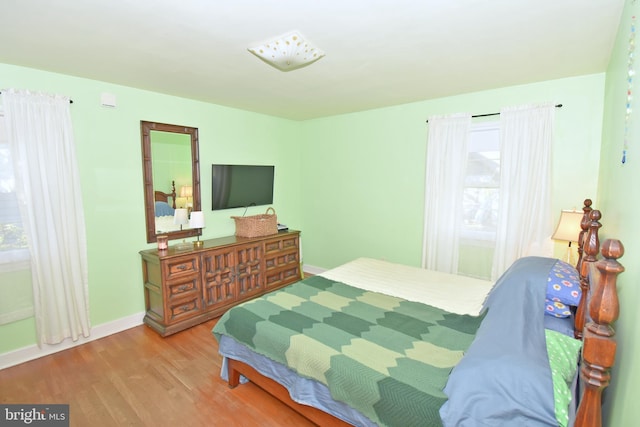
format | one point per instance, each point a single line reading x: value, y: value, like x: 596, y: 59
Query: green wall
x: 109, y: 155
x: 363, y: 173
x: 617, y: 193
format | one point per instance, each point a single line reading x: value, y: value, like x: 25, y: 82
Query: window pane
x: 482, y: 183
x: 480, y: 208
x: 12, y: 234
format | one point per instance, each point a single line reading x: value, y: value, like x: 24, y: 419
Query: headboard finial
x: 592, y: 242
x: 604, y: 306
x: 613, y: 249
x: 599, y: 346
x: 588, y: 247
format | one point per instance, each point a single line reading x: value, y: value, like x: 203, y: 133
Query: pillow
x: 563, y: 286
x: 556, y: 308
x: 563, y: 355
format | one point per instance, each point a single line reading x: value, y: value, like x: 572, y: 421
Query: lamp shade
x: 568, y: 228
x: 186, y: 191
x: 197, y: 220
x: 181, y: 217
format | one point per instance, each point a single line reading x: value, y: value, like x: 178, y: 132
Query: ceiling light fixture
x: 287, y: 52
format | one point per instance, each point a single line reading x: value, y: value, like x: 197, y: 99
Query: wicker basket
x: 257, y: 225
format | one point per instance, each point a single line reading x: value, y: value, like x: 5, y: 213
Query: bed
x: 355, y: 346
x: 164, y: 211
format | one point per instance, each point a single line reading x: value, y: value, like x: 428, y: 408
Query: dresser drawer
x: 281, y: 244
x: 184, y: 309
x: 176, y: 267
x: 281, y: 260
x: 183, y: 287
x: 282, y: 276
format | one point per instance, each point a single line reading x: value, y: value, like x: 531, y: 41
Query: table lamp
x: 568, y: 230
x: 197, y: 221
x: 181, y: 217
x: 186, y: 192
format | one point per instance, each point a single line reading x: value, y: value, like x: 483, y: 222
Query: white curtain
x: 445, y: 173
x: 524, y: 218
x: 48, y: 190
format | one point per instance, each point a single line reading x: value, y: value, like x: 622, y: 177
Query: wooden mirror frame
x: 147, y: 171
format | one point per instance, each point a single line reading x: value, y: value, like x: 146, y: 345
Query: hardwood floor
x: 137, y: 378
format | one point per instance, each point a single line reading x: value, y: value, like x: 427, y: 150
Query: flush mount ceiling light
x: 288, y: 52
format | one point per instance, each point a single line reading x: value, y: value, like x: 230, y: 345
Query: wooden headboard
x: 160, y: 196
x: 599, y: 345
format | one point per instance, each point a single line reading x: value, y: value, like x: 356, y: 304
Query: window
x: 14, y: 253
x: 482, y: 185
x: 16, y: 295
x: 476, y: 221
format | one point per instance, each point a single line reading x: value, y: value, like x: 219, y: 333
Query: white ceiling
x: 378, y: 53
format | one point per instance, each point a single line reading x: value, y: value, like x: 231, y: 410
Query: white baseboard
x: 313, y: 270
x: 25, y: 354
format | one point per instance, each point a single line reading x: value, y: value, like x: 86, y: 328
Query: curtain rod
x: 497, y: 114
x: 70, y: 101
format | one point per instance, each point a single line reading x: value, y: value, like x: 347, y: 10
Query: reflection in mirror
x: 171, y: 178
x: 171, y: 154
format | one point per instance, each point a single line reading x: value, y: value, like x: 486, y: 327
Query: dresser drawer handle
x: 181, y: 267
x: 183, y: 288
x: 184, y: 308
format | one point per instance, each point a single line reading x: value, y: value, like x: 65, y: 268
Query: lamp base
x: 570, y: 259
x: 198, y: 244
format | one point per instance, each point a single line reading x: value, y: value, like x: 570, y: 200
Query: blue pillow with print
x: 563, y: 289
x: 556, y: 308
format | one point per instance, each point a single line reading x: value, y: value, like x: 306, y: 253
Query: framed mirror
x: 171, y: 171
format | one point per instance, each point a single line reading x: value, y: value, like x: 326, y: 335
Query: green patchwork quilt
x: 386, y: 357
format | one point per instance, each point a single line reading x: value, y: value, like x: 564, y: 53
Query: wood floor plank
x: 137, y: 378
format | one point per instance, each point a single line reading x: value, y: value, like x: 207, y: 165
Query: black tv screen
x: 239, y: 186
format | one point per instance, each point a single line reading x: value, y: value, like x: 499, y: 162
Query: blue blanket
x: 163, y: 209
x: 505, y: 377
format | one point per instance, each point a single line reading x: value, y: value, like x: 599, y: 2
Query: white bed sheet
x: 450, y: 292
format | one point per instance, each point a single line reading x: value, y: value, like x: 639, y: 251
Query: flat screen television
x: 239, y: 186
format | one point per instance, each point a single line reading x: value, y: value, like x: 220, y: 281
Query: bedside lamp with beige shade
x: 186, y: 192
x: 568, y: 230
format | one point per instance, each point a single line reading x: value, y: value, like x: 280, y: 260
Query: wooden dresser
x: 188, y: 287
